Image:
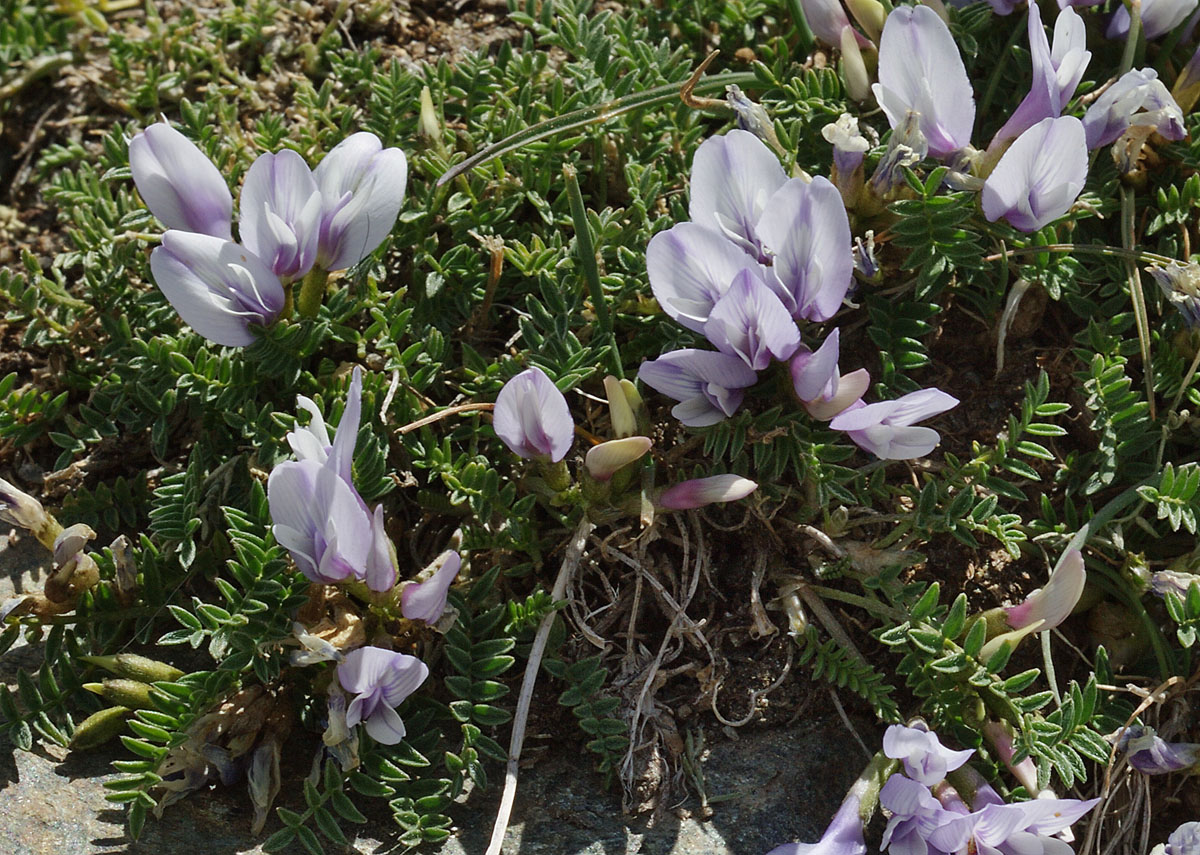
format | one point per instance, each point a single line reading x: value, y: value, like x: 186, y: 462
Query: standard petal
x: 178, y: 183
x: 404, y: 677
x: 532, y: 417
x: 806, y: 229
x: 690, y: 267
x: 362, y: 186
x: 920, y: 405
x: 1040, y: 176
x: 732, y: 178
x: 341, y: 455
x: 380, y: 574
x: 363, y: 669
x: 814, y: 373
x: 278, y: 213
x: 920, y: 64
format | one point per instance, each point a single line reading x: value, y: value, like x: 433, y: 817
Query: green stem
x: 312, y: 292
x: 656, y: 97
x: 1136, y: 293
x: 994, y: 81
x: 587, y: 260
x: 866, y: 603
x: 1129, y: 254
x: 803, y: 32
x: 1131, y: 40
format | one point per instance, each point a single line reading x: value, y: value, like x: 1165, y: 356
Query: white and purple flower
x: 380, y: 680
x: 532, y: 417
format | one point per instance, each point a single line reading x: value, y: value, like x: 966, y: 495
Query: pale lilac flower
x: 1162, y: 581
x: 751, y: 323
x: 1052, y: 604
x: 1184, y: 840
x: 818, y: 385
x: 380, y: 680
x: 19, y: 508
x: 218, y: 287
x: 733, y: 176
x: 424, y: 598
x: 1039, y: 178
x: 603, y: 460
x: 915, y: 815
x: 699, y: 492
x: 280, y: 213
x: 1150, y: 754
x: 1015, y: 829
x: 362, y: 187
x: 921, y: 70
x: 709, y: 386
x: 1137, y: 98
x: 690, y: 267
x: 532, y: 417
x: 844, y: 836
x: 320, y: 520
x: 807, y: 232
x: 925, y: 759
x: 1180, y: 284
x: 1057, y: 71
x: 887, y: 429
x: 179, y: 184
x: 1158, y: 18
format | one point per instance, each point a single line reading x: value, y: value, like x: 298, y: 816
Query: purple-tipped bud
x: 425, y: 598
x: 1150, y: 754
x: 1039, y: 178
x: 699, y: 492
x: 887, y: 429
x: 1137, y: 98
x: 605, y: 459
x: 380, y: 680
x: 1001, y: 738
x: 179, y: 184
x: 1180, y: 284
x: 709, y: 386
x: 362, y: 188
x: 920, y: 70
x: 1052, y: 604
x: 218, y: 287
x: 532, y: 417
x: 280, y: 213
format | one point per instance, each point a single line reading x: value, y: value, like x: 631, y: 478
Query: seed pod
x: 99, y: 728
x: 128, y: 693
x: 134, y: 667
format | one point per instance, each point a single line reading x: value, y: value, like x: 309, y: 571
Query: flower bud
x: 624, y: 423
x: 871, y: 15
x: 127, y: 693
x: 605, y: 459
x: 98, y: 728
x: 699, y: 492
x: 425, y: 598
x: 854, y: 68
x: 131, y: 666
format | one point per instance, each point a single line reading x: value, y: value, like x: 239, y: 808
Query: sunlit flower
x: 887, y: 429
x: 1039, y: 178
x: 532, y: 417
x: 924, y: 757
x: 279, y: 214
x: 708, y: 385
x: 179, y: 184
x: 823, y: 391
x: 362, y: 187
x: 380, y: 680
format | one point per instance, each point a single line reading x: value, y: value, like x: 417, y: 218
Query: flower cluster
x: 762, y: 252
x: 294, y: 222
x: 326, y: 526
x: 929, y: 816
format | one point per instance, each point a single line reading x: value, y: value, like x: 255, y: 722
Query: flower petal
x: 732, y: 178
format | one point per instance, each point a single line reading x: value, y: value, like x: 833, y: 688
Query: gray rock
x: 771, y: 787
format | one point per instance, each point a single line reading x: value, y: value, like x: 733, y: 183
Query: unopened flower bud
x: 620, y: 413
x: 854, y: 69
x: 605, y: 459
x: 699, y: 492
x: 131, y: 666
x: 424, y: 599
x: 127, y: 693
x: 98, y: 728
